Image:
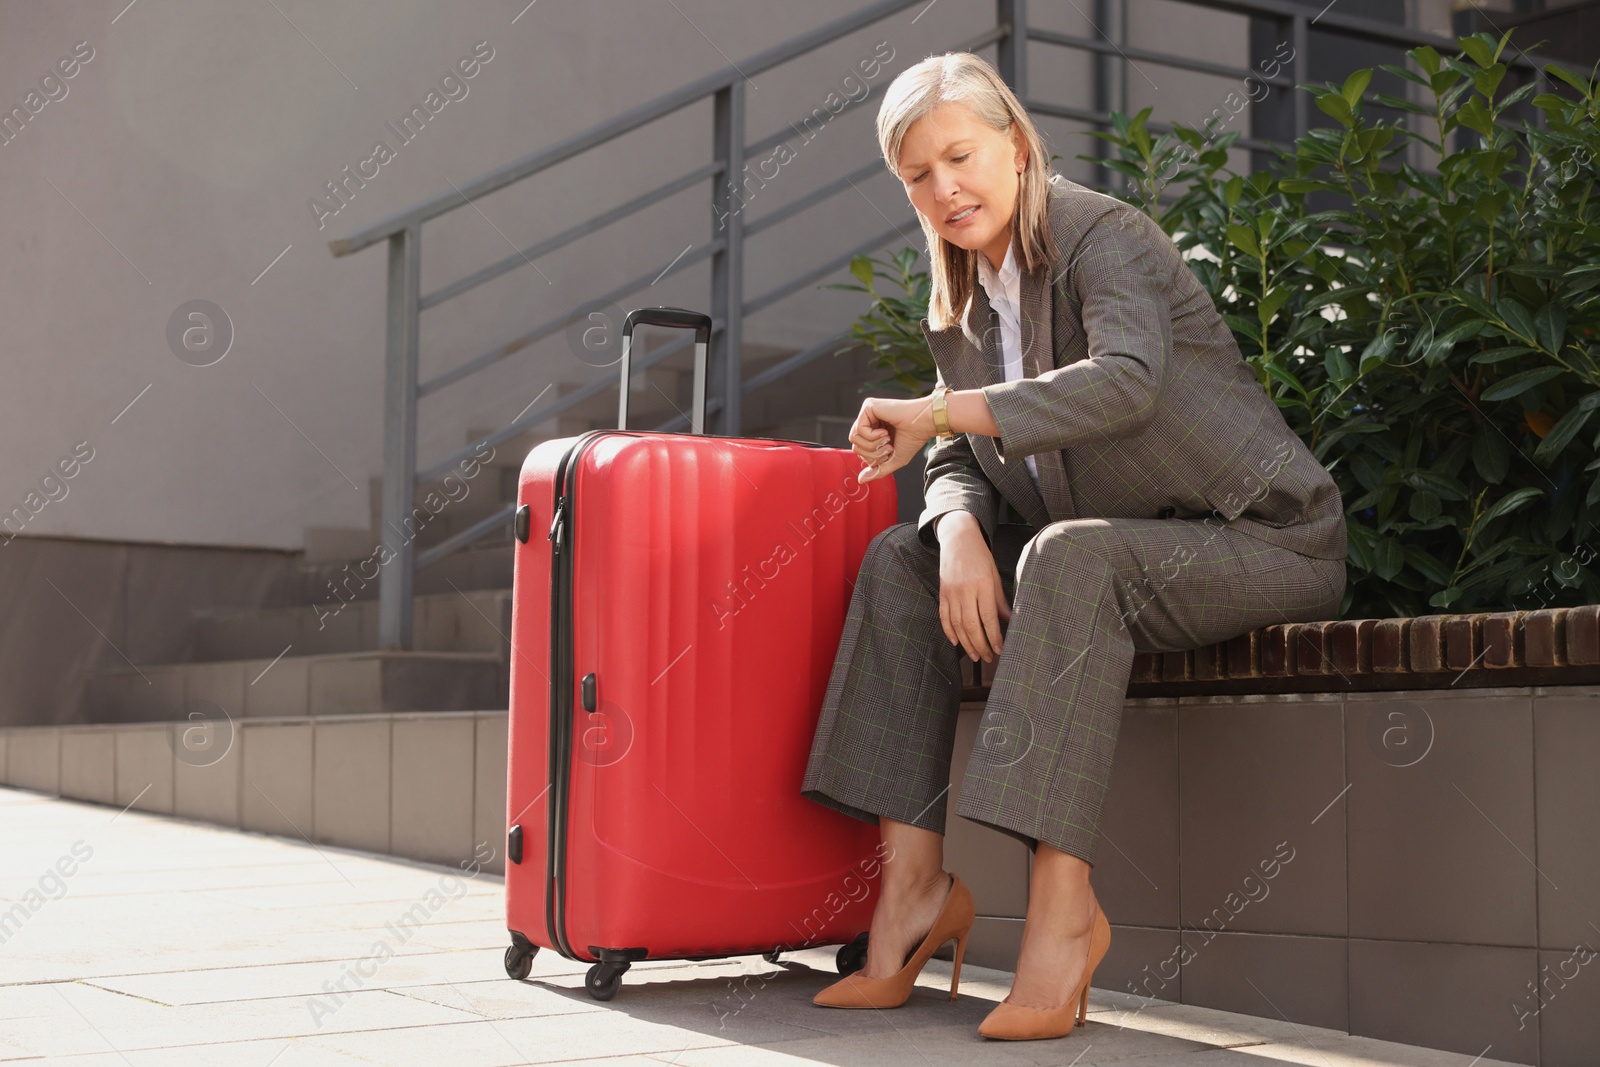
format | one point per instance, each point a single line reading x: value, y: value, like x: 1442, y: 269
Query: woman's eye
x: 959, y: 158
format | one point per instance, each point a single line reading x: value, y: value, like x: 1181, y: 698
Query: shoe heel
x: 955, y: 971
x: 1088, y: 977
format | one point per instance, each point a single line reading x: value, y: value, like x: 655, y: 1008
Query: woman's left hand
x: 888, y: 433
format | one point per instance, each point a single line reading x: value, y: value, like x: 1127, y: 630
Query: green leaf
x: 1354, y: 86
x: 1402, y: 105
x: 1425, y: 506
x: 1244, y: 239
x: 1462, y: 331
x: 1500, y: 46
x: 1487, y: 81
x: 1491, y: 454
x: 1336, y: 365
x: 861, y: 267
x: 1232, y: 191
x: 1296, y: 186
x: 1475, y: 302
x: 1332, y: 296
x: 1241, y: 325
x: 1377, y: 351
x: 1551, y: 327
x: 1518, y: 95
x: 1336, y: 107
x: 1562, y: 432
x: 1491, y: 204
x: 1445, y: 597
x: 1268, y: 308
x: 1520, y: 383
x: 1388, y: 558
x: 1551, y: 102
x: 1427, y: 565
x: 1478, y: 50
x: 1447, y: 488
x: 1567, y: 76
x: 1500, y: 355
x: 1281, y: 374
x: 1509, y: 503
x: 1406, y: 73
x: 1427, y: 58
x: 1123, y: 167
x: 1475, y: 116
x: 1514, y: 314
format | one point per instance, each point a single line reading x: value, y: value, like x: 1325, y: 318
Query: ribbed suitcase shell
x: 709, y: 581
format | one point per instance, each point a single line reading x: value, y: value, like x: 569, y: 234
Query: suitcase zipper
x: 561, y: 708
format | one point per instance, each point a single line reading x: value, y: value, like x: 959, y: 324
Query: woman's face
x: 963, y: 176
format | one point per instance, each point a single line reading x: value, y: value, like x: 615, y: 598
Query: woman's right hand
x: 971, y: 599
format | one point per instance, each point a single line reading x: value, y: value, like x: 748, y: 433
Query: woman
x: 1087, y: 383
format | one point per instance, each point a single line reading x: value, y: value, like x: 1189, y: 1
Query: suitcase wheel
x: 772, y: 957
x: 519, y: 961
x: 852, y: 957
x: 605, y: 978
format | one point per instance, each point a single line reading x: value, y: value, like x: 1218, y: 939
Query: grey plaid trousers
x: 1086, y: 595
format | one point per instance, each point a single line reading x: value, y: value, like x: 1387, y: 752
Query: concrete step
x: 437, y: 517
x: 479, y: 621
x: 347, y: 683
x: 486, y: 565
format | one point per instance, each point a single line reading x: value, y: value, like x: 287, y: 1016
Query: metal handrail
x: 395, y: 225
x: 499, y: 352
x: 726, y: 90
x: 571, y: 234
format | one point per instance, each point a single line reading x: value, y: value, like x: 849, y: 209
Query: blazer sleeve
x: 1115, y: 275
x: 953, y: 481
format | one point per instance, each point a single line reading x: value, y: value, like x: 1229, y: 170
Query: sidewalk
x: 130, y: 939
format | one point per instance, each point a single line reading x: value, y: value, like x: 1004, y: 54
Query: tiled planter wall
x: 1430, y: 824
x: 424, y: 785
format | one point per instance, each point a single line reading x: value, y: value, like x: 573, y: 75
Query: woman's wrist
x: 955, y: 522
x: 967, y: 411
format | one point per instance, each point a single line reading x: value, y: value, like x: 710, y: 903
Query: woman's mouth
x: 962, y: 217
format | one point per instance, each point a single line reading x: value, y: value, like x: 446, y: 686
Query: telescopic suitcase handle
x: 680, y: 318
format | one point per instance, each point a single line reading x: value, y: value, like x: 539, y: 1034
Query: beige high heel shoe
x: 1014, y: 1022
x: 954, y: 921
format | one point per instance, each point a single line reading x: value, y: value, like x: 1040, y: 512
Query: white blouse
x: 1004, y: 289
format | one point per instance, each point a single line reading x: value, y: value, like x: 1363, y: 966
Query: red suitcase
x: 678, y: 601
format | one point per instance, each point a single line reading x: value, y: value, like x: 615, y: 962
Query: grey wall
x: 180, y: 163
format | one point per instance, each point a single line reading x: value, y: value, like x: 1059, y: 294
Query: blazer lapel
x: 964, y: 367
x: 1038, y: 356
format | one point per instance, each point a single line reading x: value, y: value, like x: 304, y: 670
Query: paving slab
x: 145, y: 938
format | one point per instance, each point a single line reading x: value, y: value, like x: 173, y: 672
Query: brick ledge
x: 1550, y: 646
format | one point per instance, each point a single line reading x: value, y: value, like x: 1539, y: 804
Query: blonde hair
x: 962, y: 77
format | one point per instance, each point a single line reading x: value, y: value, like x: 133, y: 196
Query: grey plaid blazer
x: 1136, y: 404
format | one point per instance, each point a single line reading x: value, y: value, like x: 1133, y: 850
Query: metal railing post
x: 1110, y: 80
x: 400, y: 438
x: 1302, y: 76
x: 727, y: 266
x: 1012, y: 49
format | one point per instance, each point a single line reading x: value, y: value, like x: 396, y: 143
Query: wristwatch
x: 941, y: 420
